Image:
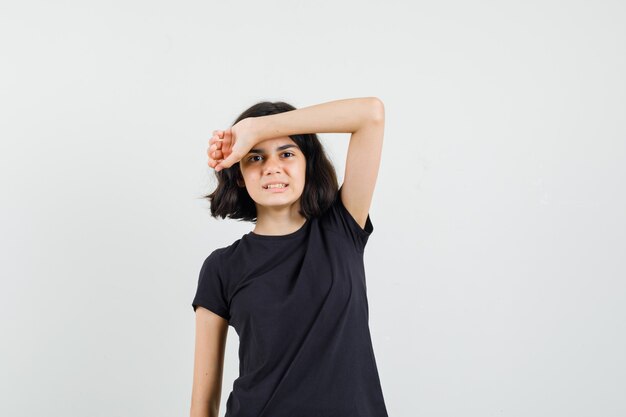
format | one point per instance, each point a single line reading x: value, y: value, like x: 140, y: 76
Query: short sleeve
x: 338, y: 218
x: 210, y: 291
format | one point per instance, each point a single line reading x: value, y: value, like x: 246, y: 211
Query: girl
x: 294, y: 287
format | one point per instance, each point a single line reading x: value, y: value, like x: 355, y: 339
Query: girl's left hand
x: 233, y: 145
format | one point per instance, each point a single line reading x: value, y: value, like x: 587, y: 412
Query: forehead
x: 274, y: 144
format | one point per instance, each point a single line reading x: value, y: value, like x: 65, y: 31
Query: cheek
x: 297, y: 170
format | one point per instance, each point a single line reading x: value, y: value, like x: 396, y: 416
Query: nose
x: 272, y: 164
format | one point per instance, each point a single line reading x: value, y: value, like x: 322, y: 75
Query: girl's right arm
x: 211, y: 333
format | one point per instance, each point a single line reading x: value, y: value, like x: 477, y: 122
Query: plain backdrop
x: 496, y: 266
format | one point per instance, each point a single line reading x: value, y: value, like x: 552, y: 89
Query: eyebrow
x: 280, y: 148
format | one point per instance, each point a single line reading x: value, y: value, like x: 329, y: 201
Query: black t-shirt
x: 299, y: 305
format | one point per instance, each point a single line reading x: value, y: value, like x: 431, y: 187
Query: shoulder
x: 220, y: 255
x: 338, y: 219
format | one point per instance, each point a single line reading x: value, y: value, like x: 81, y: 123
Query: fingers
x: 221, y: 165
x: 229, y: 161
x: 220, y: 150
x: 214, y: 151
x: 213, y: 156
x: 227, y: 143
x: 224, y: 163
x: 216, y: 139
x: 218, y: 136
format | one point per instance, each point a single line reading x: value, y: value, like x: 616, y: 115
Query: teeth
x: 276, y: 186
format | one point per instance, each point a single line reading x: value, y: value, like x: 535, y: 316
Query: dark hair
x: 231, y: 198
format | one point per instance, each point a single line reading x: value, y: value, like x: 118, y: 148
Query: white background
x: 496, y: 267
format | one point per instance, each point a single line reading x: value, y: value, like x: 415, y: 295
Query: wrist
x: 260, y: 128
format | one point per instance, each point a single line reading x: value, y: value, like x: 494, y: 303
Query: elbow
x: 377, y: 107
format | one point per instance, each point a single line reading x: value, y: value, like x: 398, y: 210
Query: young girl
x: 294, y: 287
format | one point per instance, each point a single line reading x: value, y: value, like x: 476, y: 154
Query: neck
x: 279, y: 221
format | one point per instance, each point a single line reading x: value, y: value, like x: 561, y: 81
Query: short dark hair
x: 320, y: 188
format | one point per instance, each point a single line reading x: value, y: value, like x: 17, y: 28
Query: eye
x: 251, y: 159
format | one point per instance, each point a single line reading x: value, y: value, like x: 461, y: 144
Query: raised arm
x: 364, y: 118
